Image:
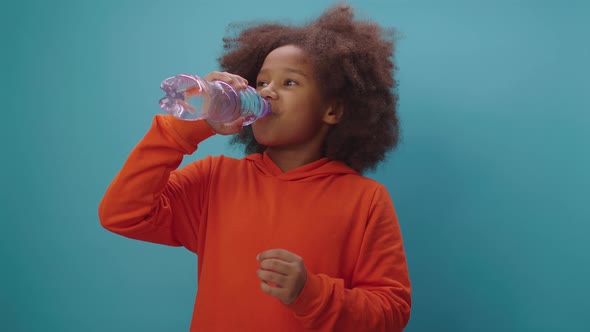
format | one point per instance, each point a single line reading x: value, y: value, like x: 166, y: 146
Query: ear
x: 334, y: 113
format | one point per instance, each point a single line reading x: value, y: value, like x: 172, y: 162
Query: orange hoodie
x: 227, y: 211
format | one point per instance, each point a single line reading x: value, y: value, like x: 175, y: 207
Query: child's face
x: 287, y: 81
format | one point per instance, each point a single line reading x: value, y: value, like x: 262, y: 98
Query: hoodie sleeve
x: 149, y: 199
x: 379, y: 297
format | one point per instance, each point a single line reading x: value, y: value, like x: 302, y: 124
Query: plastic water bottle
x: 190, y: 97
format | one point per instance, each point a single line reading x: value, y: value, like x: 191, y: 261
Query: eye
x: 261, y: 84
x: 290, y: 82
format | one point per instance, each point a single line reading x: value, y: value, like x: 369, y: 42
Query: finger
x: 242, y: 82
x: 214, y: 76
x: 271, y: 277
x: 279, y: 293
x: 237, y: 125
x: 233, y: 80
x: 233, y: 127
x: 236, y: 81
x: 276, y: 265
x: 281, y: 254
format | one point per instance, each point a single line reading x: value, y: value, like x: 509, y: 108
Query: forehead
x: 287, y: 56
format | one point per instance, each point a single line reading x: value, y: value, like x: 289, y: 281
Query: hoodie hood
x: 313, y: 171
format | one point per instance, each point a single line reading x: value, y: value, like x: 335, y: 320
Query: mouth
x: 270, y: 109
x: 268, y: 117
x: 271, y: 112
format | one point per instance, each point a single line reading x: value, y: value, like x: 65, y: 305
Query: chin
x: 259, y: 135
x: 266, y: 133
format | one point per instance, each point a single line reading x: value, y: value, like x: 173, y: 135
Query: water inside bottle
x: 184, y: 97
x: 192, y: 98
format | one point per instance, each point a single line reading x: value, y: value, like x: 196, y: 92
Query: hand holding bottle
x: 238, y: 83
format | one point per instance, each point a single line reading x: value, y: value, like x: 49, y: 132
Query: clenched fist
x: 238, y: 83
x: 282, y: 274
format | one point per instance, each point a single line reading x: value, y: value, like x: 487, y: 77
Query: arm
x: 148, y: 200
x: 379, y: 296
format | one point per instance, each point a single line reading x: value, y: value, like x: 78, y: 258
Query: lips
x: 267, y: 117
x: 273, y: 111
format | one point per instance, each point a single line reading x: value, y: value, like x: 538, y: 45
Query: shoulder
x: 219, y: 165
x: 360, y: 187
x: 362, y: 181
x: 223, y: 159
x: 218, y: 161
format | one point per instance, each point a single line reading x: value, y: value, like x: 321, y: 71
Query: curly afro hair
x: 353, y: 61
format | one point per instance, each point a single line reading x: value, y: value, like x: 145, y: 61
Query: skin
x: 294, y: 134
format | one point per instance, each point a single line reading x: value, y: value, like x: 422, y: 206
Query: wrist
x: 310, y: 296
x: 188, y: 133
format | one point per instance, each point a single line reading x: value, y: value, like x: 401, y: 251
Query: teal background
x: 491, y: 182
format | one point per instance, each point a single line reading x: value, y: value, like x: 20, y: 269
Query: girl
x: 291, y: 237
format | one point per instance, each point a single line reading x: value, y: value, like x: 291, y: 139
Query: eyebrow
x: 288, y: 69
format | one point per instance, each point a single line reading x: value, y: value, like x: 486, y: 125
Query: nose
x: 268, y: 92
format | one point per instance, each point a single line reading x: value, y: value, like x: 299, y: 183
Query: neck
x: 288, y: 157
x: 287, y: 160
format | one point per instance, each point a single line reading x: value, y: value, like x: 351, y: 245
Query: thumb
x: 227, y: 128
x: 236, y: 126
